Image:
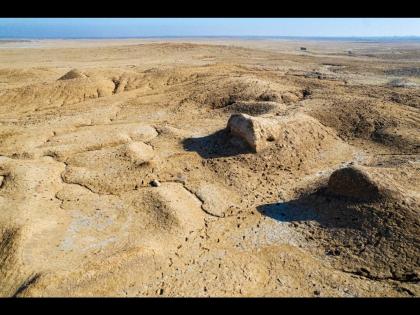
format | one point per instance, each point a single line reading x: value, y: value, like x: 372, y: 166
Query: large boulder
x: 255, y: 131
x: 297, y: 132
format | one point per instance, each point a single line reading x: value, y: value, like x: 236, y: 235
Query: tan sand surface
x: 209, y: 167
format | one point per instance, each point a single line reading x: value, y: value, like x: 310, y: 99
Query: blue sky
x: 139, y: 27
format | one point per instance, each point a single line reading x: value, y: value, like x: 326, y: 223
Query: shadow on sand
x: 215, y: 145
x: 328, y: 211
x: 290, y: 211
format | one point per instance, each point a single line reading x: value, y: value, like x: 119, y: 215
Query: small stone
x: 181, y: 178
x: 155, y: 183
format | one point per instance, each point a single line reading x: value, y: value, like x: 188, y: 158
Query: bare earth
x: 209, y: 167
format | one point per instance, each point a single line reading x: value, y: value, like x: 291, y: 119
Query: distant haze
x: 185, y: 27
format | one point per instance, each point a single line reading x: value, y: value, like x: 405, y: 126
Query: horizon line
x: 213, y: 36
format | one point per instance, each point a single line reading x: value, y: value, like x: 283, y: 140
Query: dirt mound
x: 73, y: 74
x: 227, y: 92
x: 170, y: 208
x: 67, y: 143
x: 9, y: 260
x: 296, y: 130
x: 15, y: 77
x: 36, y: 97
x: 138, y: 152
x: 111, y: 169
x: 254, y: 108
x: 374, y: 183
x: 362, y: 221
x: 266, y: 151
x: 353, y: 182
x: 379, y: 121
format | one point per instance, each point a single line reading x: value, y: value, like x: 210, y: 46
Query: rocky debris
x: 155, y: 183
x: 120, y: 85
x: 353, y: 182
x: 73, y: 74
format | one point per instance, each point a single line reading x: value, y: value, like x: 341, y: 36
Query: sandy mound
x: 363, y: 221
x: 297, y: 130
x: 254, y: 108
x: 11, y: 274
x: 172, y: 208
x: 376, y: 182
x: 111, y: 169
x: 391, y: 120
x: 354, y: 183
x: 29, y: 227
x: 73, y: 74
x: 138, y: 152
x: 95, y: 138
x: 40, y: 96
x: 227, y: 92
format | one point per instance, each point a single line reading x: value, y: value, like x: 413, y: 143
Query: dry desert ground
x: 209, y: 167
